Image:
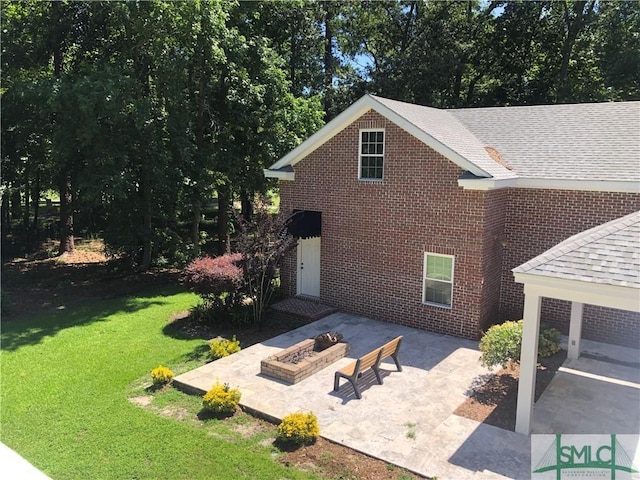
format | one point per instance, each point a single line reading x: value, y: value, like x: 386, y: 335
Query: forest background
x: 148, y: 120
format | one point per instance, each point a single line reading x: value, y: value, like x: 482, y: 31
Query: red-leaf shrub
x: 214, y: 276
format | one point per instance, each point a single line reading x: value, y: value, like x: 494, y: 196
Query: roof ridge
x: 537, y: 105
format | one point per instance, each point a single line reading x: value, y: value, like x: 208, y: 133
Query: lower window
x: 438, y: 280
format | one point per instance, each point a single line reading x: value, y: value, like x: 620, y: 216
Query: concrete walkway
x: 14, y: 467
x: 407, y: 421
x: 597, y: 393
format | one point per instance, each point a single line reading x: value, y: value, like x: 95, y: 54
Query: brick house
x: 416, y: 215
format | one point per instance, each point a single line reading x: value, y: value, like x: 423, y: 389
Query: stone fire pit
x: 305, y: 358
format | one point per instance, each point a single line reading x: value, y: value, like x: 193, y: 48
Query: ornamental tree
x: 262, y: 243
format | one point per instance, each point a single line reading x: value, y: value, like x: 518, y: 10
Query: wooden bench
x: 372, y: 360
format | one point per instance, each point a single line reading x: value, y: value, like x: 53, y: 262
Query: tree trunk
x: 5, y: 225
x: 147, y: 227
x: 293, y: 61
x: 16, y: 204
x: 574, y: 27
x: 224, y: 203
x: 329, y: 67
x: 56, y: 41
x: 195, y: 228
x: 247, y: 206
x: 67, y: 244
x: 35, y: 200
x: 27, y: 199
x: 201, y: 123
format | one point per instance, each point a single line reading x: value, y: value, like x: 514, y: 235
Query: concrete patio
x: 409, y: 420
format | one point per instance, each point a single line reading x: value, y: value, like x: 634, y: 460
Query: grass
x: 411, y: 433
x: 66, y: 379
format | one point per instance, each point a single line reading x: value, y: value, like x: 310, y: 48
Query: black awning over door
x: 305, y: 224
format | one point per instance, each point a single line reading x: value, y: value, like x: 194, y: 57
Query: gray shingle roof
x: 588, y: 141
x: 607, y: 254
x: 447, y: 129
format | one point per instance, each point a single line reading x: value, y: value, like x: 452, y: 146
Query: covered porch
x: 600, y: 266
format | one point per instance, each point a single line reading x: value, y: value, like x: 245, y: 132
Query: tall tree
x: 617, y: 44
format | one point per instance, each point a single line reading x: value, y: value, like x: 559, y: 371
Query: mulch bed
x: 493, y: 400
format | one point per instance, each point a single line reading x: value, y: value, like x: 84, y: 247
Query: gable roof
x: 607, y: 254
x: 436, y: 128
x: 584, y: 146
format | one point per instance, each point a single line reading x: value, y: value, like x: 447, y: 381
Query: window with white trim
x: 438, y: 280
x: 371, y: 154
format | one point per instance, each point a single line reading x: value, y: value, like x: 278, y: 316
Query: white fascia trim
x: 279, y: 174
x: 623, y: 186
x: 591, y: 293
x: 325, y: 134
x: 550, y: 184
x: 486, y: 183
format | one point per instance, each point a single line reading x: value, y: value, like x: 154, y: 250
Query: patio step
x: 302, y: 308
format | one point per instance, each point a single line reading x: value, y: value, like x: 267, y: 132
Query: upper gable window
x: 371, y: 154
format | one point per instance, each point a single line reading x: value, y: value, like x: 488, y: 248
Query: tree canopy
x: 141, y: 114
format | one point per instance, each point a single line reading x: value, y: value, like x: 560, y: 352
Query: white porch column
x: 528, y: 361
x: 575, y: 330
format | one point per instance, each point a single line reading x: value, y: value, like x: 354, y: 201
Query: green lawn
x: 65, y: 381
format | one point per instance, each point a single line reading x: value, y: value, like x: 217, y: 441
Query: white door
x: 309, y: 267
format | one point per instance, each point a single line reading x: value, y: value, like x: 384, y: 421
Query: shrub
x: 221, y: 399
x: 549, y: 341
x: 208, y: 276
x: 501, y: 344
x: 300, y: 428
x: 223, y: 347
x: 161, y: 375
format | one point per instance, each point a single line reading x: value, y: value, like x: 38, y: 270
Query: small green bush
x: 221, y: 399
x: 223, y: 347
x: 549, y: 341
x: 300, y: 428
x: 161, y: 375
x: 501, y: 344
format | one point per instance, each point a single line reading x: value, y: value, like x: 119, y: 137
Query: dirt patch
x: 337, y: 461
x: 87, y: 251
x: 34, y: 284
x: 174, y: 412
x: 142, y: 400
x: 184, y: 325
x: 493, y: 397
x: 250, y: 429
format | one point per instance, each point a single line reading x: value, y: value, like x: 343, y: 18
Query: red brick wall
x: 536, y: 220
x: 494, y: 245
x: 374, y: 234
